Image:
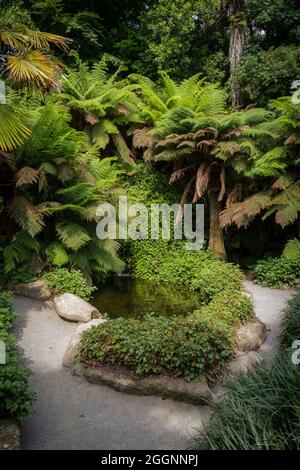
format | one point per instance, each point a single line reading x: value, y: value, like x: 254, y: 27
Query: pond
x: 125, y: 296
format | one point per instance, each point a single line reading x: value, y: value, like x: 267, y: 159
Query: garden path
x: 71, y: 413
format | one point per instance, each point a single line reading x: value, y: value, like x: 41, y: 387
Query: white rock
x: 73, y: 308
x: 72, y: 350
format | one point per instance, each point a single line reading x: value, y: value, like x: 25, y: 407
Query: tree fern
x: 292, y: 250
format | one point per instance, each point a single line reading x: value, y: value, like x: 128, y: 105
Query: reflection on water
x: 125, y: 296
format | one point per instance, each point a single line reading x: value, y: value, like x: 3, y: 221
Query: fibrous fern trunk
x: 237, y: 42
x: 216, y: 238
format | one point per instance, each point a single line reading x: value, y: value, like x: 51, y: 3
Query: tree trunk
x: 216, y: 239
x: 237, y: 12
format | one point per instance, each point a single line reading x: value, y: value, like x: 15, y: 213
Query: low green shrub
x: 277, y: 272
x: 62, y: 280
x: 15, y: 396
x: 261, y: 410
x: 233, y: 308
x: 181, y: 346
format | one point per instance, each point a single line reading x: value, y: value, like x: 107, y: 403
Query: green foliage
x: 62, y: 280
x: 233, y: 308
x: 274, y: 171
x: 15, y: 397
x: 291, y: 323
x: 266, y: 74
x: 171, y: 30
x: 277, y: 272
x: 292, y: 250
x: 184, y: 347
x: 146, y: 185
x: 162, y: 261
x: 61, y: 180
x: 7, y: 315
x: 260, y: 411
x: 100, y: 103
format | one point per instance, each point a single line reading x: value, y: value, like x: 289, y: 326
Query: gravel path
x: 71, y: 413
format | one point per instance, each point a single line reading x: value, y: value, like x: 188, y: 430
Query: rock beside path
x: 73, y: 308
x: 10, y: 434
x: 37, y: 290
x: 243, y: 363
x: 72, y: 349
x: 251, y: 336
x: 176, y: 388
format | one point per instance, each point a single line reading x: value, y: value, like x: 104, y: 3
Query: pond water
x: 125, y: 296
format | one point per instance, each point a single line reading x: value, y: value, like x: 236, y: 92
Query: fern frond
x: 72, y: 235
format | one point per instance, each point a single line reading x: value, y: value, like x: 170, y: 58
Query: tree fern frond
x: 72, y: 235
x: 292, y: 249
x: 57, y: 254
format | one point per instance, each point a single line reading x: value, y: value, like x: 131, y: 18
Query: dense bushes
x: 184, y: 347
x: 62, y: 280
x: 15, y: 397
x: 277, y: 272
x: 261, y: 410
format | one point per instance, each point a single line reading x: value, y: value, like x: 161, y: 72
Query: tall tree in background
x: 237, y: 18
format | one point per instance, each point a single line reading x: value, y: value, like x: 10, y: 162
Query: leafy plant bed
x: 167, y: 385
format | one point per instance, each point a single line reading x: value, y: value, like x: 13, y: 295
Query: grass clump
x: 62, y: 280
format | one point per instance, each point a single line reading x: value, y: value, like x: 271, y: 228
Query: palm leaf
x: 13, y: 131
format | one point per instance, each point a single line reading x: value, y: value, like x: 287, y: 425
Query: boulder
x: 10, y: 434
x: 176, y: 388
x: 73, y: 308
x: 243, y: 363
x: 250, y: 336
x: 248, y: 294
x: 69, y: 358
x: 37, y: 290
